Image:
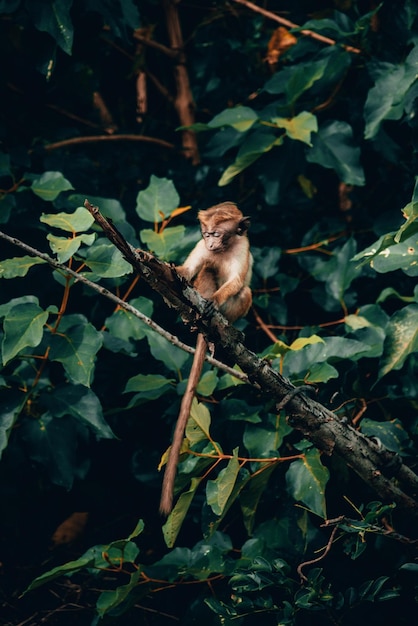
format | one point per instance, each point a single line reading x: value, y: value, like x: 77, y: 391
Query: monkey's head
x: 220, y: 224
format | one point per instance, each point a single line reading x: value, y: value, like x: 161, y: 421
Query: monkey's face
x: 217, y: 236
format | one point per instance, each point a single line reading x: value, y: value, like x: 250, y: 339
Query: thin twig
x: 99, y: 138
x: 124, y: 305
x: 288, y: 24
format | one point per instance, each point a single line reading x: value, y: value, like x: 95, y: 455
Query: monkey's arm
x: 167, y: 492
x: 194, y: 262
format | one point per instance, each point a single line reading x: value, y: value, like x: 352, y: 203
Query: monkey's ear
x: 244, y: 225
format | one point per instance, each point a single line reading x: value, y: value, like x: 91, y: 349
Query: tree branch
x: 122, y: 304
x: 376, y: 465
x: 100, y: 138
x: 288, y: 24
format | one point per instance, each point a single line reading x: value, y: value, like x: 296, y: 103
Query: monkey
x: 219, y: 267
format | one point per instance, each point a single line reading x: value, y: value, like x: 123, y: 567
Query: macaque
x: 219, y: 267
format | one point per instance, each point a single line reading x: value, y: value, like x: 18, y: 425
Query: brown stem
x: 183, y: 101
x: 100, y: 138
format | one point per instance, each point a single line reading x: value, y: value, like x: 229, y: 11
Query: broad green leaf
x: 207, y: 383
x: 198, y: 426
x: 125, y: 325
x: 76, y: 222
x: 48, y: 185
x: 251, y: 495
x: 158, y: 200
x: 401, y: 339
x: 334, y: 148
x: 218, y: 491
x: 410, y: 213
x: 82, y: 404
x: 71, y: 567
x: 106, y: 261
x: 23, y: 327
x: 299, y: 127
x: 54, y: 18
x: 321, y: 74
x: 301, y: 342
x: 11, y: 404
x: 240, y: 117
x: 109, y: 600
x: 76, y: 346
x: 150, y: 386
x: 392, y: 434
x: 18, y: 266
x: 320, y: 373
x: 403, y: 256
x: 66, y: 247
x: 264, y: 440
x: 54, y: 444
x: 175, y: 520
x: 297, y: 363
x: 254, y: 146
x: 161, y: 349
x: 266, y: 262
x: 386, y: 100
x: 163, y: 244
x: 306, y: 480
x: 8, y: 306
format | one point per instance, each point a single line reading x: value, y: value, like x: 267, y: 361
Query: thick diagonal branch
x: 369, y: 459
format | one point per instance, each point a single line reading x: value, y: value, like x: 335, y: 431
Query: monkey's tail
x: 167, y: 492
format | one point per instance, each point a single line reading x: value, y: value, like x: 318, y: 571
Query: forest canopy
x: 297, y: 492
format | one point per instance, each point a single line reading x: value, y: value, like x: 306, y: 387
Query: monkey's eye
x: 216, y: 234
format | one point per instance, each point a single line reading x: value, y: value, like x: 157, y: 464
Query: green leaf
x: 82, y: 404
x: 207, y: 383
x: 299, y: 127
x: 198, y: 426
x: 403, y: 256
x: 401, y: 339
x: 264, y: 440
x: 392, y: 434
x: 48, y: 185
x: 320, y: 373
x: 151, y: 386
x: 71, y: 567
x: 66, y: 247
x: 18, y: 266
x: 107, y: 261
x: 306, y: 480
x: 254, y: 146
x: 410, y: 213
x: 54, y: 18
x: 161, y: 349
x: 158, y: 200
x: 109, y: 600
x: 175, y: 520
x: 251, y: 495
x: 55, y: 444
x: 23, y: 328
x: 218, y: 491
x: 240, y: 117
x: 77, y: 222
x: 163, y: 244
x: 11, y: 404
x: 76, y: 346
x: 334, y: 148
x: 386, y: 100
x: 124, y: 325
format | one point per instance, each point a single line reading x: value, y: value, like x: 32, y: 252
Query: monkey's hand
x: 209, y: 309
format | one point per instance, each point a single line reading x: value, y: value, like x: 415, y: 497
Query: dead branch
x: 376, y: 465
x: 183, y: 101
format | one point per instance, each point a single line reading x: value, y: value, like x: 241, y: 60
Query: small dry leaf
x: 280, y: 41
x: 70, y: 529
